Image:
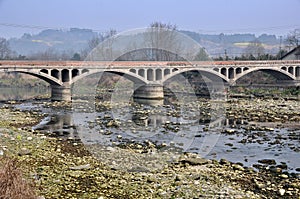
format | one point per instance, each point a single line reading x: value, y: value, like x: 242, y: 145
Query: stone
x: 194, y: 161
x: 81, y: 167
x: 283, y: 166
x: 43, y: 137
x: 267, y: 161
x: 260, y: 185
x: 238, y: 167
x: 196, y: 182
x: 281, y: 192
x: 138, y: 169
x: 229, y: 144
x: 110, y: 123
x: 151, y: 179
x: 178, y: 178
x: 276, y: 170
x: 164, y: 144
x: 224, y: 162
x: 230, y: 131
x: 250, y: 170
x: 284, y: 176
x: 269, y: 129
x: 119, y: 136
x: 24, y: 151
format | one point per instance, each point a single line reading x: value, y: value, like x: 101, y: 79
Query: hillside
x: 76, y: 40
x: 73, y: 40
x: 234, y: 43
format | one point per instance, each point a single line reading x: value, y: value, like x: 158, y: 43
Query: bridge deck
x: 14, y: 63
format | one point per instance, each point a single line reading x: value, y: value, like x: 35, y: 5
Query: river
x: 166, y: 126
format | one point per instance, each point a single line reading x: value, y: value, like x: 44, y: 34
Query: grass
x: 12, y: 183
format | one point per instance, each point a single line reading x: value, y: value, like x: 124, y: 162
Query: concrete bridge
x: 151, y: 75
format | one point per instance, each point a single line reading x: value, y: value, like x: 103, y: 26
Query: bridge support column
x: 60, y: 93
x: 151, y: 94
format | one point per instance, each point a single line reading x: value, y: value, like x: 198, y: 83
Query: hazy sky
x: 204, y: 16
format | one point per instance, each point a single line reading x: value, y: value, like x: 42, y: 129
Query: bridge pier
x: 150, y: 94
x: 61, y: 93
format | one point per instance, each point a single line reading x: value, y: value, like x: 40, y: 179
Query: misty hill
x: 234, y: 44
x: 73, y: 40
x: 76, y: 40
x: 233, y: 38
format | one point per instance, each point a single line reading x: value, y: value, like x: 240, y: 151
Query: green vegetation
x: 271, y: 92
x: 16, y: 80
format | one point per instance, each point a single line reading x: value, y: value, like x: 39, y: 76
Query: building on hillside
x: 292, y: 55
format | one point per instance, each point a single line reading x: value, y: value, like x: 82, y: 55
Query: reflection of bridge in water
x: 58, y: 125
x: 149, y: 77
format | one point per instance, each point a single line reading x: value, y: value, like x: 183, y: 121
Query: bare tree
x: 95, y: 41
x: 112, y: 32
x: 109, y: 37
x: 161, y: 38
x: 255, y: 49
x: 4, y: 49
x: 293, y: 38
x: 101, y: 46
x: 92, y: 44
x: 48, y: 54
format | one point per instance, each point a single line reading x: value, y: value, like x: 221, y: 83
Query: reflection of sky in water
x: 189, y: 137
x: 250, y: 153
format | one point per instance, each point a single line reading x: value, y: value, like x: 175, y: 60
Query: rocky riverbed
x: 64, y: 168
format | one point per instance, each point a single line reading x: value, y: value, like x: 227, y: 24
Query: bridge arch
x: 125, y: 73
x: 209, y: 73
x: 42, y: 75
x: 278, y: 73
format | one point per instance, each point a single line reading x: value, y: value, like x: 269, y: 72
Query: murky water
x: 21, y: 93
x: 171, y: 126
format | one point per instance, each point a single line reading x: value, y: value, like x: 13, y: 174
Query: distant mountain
x: 76, y: 40
x: 234, y: 44
x: 234, y: 38
x: 73, y: 40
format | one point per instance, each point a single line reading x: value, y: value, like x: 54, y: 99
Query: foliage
x: 17, y: 80
x: 283, y: 92
x: 4, y: 49
x: 201, y: 55
x: 265, y: 56
x: 292, y: 91
x: 76, y: 57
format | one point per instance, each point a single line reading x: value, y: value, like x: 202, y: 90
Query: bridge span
x: 151, y: 75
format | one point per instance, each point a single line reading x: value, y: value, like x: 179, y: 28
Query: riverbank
x: 65, y: 169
